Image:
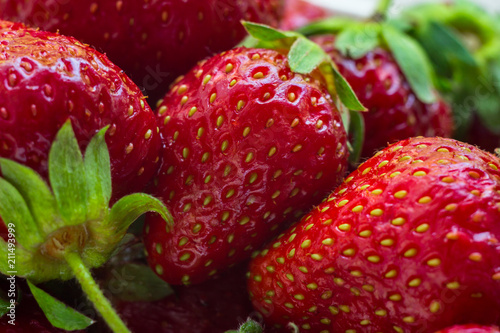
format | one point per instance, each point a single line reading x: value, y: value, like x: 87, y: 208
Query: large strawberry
x: 409, y: 243
x: 249, y: 145
x: 395, y: 111
x: 470, y: 328
x: 153, y: 41
x: 48, y: 79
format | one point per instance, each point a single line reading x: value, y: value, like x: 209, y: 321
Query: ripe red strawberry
x: 249, y: 145
x: 46, y: 80
x: 211, y: 307
x: 301, y: 12
x: 471, y: 328
x: 409, y: 243
x: 153, y: 41
x: 395, y: 112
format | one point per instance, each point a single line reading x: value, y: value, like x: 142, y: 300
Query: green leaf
x: 130, y: 208
x: 35, y: 192
x: 357, y: 40
x: 305, y: 56
x: 67, y: 176
x: 328, y: 26
x: 413, y: 62
x: 59, y: 314
x: 267, y: 33
x: 357, y: 135
x: 17, y: 216
x: 450, y: 43
x: 137, y: 283
x: 98, y: 171
x: 4, y: 306
x: 345, y: 91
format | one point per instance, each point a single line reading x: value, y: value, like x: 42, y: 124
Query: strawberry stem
x: 382, y: 9
x: 94, y: 293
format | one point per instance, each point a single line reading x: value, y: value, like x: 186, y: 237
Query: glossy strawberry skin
x: 298, y: 13
x: 471, y: 328
x: 409, y: 243
x: 48, y: 78
x: 394, y: 112
x: 153, y: 41
x: 249, y: 145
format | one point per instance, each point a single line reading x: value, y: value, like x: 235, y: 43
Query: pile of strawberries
x: 243, y: 137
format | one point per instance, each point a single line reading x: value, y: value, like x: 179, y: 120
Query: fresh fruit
x: 153, y: 41
x: 462, y: 41
x: 395, y: 111
x: 65, y: 230
x: 214, y: 306
x: 48, y: 79
x: 249, y: 145
x: 471, y: 328
x: 301, y: 12
x: 409, y: 243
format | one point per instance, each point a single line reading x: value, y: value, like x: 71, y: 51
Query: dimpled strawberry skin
x: 47, y: 79
x: 471, y: 328
x: 394, y: 112
x: 153, y: 41
x: 409, y: 243
x: 249, y: 146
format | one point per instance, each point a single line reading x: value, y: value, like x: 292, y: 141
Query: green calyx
x: 354, y: 39
x: 463, y: 42
x: 304, y: 57
x: 250, y: 326
x: 63, y: 231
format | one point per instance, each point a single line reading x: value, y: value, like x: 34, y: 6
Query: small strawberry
x: 395, y: 112
x: 153, y: 41
x: 409, y: 243
x: 46, y: 80
x: 301, y: 12
x: 249, y: 145
x: 471, y: 328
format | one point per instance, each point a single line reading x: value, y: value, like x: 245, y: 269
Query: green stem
x: 95, y: 294
x: 382, y: 9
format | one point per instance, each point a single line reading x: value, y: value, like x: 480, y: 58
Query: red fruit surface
x: 394, y: 111
x: 249, y: 146
x: 46, y: 80
x: 409, y: 243
x: 471, y: 328
x: 212, y: 307
x: 298, y: 13
x: 153, y: 41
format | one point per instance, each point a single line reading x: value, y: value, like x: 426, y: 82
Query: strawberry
x: 301, y: 12
x: 153, y: 41
x: 395, y: 112
x: 471, y: 328
x: 249, y: 145
x: 47, y: 79
x: 409, y: 243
